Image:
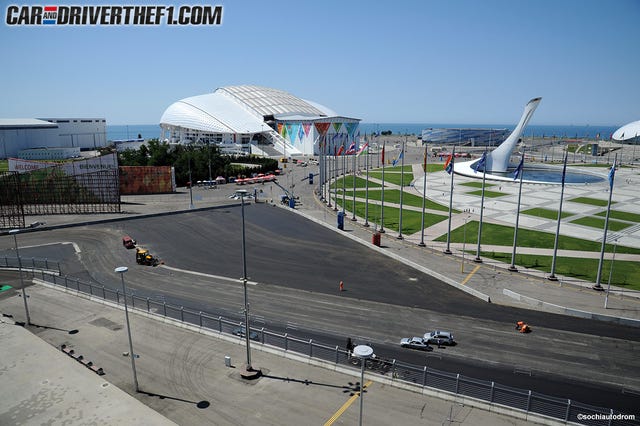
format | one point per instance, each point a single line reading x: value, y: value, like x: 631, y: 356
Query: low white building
x: 18, y: 134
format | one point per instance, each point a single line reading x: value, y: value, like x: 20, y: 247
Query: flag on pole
x: 363, y: 149
x: 398, y: 158
x: 382, y: 157
x: 448, y: 165
x: 480, y: 163
x: 564, y: 169
x: 518, y: 169
x: 612, y: 175
x: 352, y: 149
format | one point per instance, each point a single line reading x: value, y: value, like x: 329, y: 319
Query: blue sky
x: 424, y: 61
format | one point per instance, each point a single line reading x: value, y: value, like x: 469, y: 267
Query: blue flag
x: 394, y: 162
x: 480, y: 163
x: 518, y: 169
x: 612, y: 174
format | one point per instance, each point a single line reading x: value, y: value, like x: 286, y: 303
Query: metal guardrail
x: 31, y: 264
x: 527, y: 401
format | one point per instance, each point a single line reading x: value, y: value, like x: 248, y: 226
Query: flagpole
x: 399, y: 237
x: 344, y: 179
x: 552, y: 276
x: 329, y: 174
x: 321, y: 167
x: 424, y: 197
x: 384, y: 144
x: 484, y: 177
x: 335, y: 176
x: 513, y: 268
x: 453, y: 159
x: 366, y: 189
x: 606, y: 225
x: 353, y: 207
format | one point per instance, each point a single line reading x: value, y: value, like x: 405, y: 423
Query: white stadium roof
x: 240, y: 109
x: 628, y: 131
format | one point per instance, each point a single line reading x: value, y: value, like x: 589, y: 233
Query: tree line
x: 197, y: 158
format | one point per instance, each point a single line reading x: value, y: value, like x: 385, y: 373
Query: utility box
x: 340, y: 221
x: 227, y: 361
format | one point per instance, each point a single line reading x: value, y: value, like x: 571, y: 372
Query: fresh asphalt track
x: 294, y: 267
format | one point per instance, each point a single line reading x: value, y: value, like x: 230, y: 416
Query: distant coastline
x: 150, y: 131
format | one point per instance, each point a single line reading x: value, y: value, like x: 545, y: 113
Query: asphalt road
x: 295, y: 267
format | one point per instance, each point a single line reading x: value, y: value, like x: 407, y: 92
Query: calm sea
x: 149, y: 131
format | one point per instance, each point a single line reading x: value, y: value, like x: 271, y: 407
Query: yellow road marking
x: 346, y: 405
x: 468, y: 277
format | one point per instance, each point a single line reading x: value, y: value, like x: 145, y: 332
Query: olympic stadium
x: 256, y: 120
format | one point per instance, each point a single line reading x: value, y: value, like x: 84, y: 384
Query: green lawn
x: 590, y: 201
x: 393, y: 196
x: 477, y: 184
x: 503, y: 235
x: 4, y: 165
x: 625, y: 274
x: 487, y: 194
x: 598, y: 222
x: 616, y: 214
x: 394, y: 178
x: 411, y: 220
x: 348, y: 183
x: 545, y: 213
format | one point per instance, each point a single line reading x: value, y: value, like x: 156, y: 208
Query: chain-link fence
x: 526, y: 401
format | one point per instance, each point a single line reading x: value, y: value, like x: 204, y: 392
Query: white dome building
x: 258, y: 120
x: 628, y: 133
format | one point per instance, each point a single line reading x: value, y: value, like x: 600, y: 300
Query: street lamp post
x: 363, y: 352
x: 24, y: 293
x: 249, y: 371
x: 121, y: 270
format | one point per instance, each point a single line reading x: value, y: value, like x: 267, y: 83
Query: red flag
x: 341, y: 150
x: 383, y: 155
x: 446, y: 163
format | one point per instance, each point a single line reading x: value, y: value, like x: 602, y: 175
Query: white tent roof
x: 240, y: 109
x: 628, y: 131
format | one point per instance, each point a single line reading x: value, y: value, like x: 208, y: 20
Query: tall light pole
x: 247, y: 329
x: 121, y: 270
x: 363, y: 352
x: 24, y: 293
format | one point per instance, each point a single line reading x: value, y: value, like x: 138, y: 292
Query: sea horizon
x: 151, y: 131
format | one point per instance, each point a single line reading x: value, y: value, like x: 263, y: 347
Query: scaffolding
x: 51, y: 191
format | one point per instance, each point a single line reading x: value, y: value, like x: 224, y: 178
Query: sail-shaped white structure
x: 498, y: 159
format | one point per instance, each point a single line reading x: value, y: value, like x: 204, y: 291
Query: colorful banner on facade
x: 307, y: 128
x: 336, y: 127
x: 290, y: 134
x: 351, y: 128
x: 321, y: 127
x: 294, y: 131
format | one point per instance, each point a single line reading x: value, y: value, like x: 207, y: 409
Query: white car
x: 415, y: 343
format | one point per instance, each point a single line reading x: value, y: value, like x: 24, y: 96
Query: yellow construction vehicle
x: 143, y: 257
